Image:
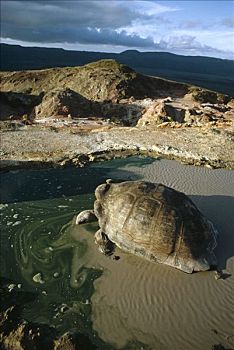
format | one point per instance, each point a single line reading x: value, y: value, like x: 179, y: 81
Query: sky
x: 204, y: 28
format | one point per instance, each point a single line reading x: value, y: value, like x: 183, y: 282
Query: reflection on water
x: 124, y: 304
x: 33, y: 185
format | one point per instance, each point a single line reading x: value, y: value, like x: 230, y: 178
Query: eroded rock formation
x: 110, y: 91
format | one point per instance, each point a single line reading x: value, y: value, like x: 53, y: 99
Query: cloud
x: 57, y: 21
x: 181, y: 42
x: 107, y: 14
x: 108, y: 36
x: 151, y: 8
x: 191, y: 24
x: 107, y: 25
x: 188, y: 44
x: 94, y: 14
x: 83, y: 35
x: 228, y: 22
x: 205, y: 24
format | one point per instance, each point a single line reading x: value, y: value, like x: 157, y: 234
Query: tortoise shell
x: 157, y: 223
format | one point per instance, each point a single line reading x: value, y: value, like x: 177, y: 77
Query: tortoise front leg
x: 105, y: 246
x: 85, y: 217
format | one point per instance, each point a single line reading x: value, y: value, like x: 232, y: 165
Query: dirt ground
x: 37, y: 146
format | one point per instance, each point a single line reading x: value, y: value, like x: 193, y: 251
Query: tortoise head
x: 100, y: 193
x: 102, y: 189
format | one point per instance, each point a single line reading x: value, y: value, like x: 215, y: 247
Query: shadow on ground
x: 219, y: 209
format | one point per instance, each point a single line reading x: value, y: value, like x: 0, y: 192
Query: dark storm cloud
x: 90, y: 13
x: 82, y: 35
x: 86, y: 22
x: 100, y: 14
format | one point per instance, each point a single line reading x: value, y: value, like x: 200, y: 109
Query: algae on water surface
x: 44, y: 264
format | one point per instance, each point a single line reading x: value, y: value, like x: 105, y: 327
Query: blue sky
x: 183, y: 27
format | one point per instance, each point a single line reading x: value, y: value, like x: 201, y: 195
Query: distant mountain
x: 212, y: 73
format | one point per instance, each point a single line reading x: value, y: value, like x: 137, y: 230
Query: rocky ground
x: 36, y: 146
x: 18, y: 334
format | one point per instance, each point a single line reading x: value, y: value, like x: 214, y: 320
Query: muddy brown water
x: 128, y: 303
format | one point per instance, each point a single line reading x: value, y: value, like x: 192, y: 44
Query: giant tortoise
x: 153, y: 221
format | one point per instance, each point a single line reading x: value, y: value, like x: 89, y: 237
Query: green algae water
x: 65, y: 283
x: 38, y: 247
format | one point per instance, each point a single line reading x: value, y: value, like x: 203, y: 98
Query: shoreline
x: 35, y: 147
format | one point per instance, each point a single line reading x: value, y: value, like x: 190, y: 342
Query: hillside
x: 109, y: 91
x: 98, y: 81
x: 91, y: 90
x: 212, y: 73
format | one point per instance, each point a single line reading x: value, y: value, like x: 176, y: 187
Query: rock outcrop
x: 16, y: 104
x: 64, y: 103
x: 162, y: 111
x: 207, y: 96
x: 185, y: 112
